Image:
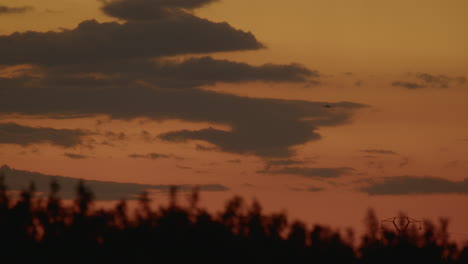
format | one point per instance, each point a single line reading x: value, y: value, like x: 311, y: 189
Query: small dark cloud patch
x: 452, y: 164
x: 314, y: 189
x: 407, y: 85
x: 12, y: 133
x: 404, y: 162
x: 153, y: 156
x: 309, y: 189
x: 14, y: 10
x: 309, y: 172
x: 146, y: 136
x: 104, y: 190
x: 441, y: 81
x: 380, y: 151
x: 281, y: 162
x: 183, y: 167
x: 407, y: 185
x: 426, y: 80
x: 235, y: 161
x: 75, y: 156
x: 116, y: 136
x: 204, y: 148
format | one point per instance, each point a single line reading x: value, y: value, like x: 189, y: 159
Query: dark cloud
x: 187, y: 168
x: 150, y: 9
x: 152, y: 156
x: 104, y: 190
x: 408, y: 85
x: 281, y: 162
x: 315, y: 189
x: 452, y: 164
x: 441, y: 81
x: 207, y: 71
x: 263, y: 127
x: 116, y: 69
x: 146, y: 136
x: 404, y: 162
x: 14, y: 10
x: 235, y: 161
x: 94, y: 42
x: 424, y: 80
x: 405, y: 185
x: 310, y: 189
x: 75, y: 156
x: 380, y: 151
x: 12, y: 133
x: 312, y: 172
x: 204, y: 148
x: 115, y: 136
x: 190, y: 73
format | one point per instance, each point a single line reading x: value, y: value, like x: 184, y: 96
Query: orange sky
x: 365, y: 52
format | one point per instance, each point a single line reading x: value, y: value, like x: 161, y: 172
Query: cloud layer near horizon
x: 17, y: 180
x: 406, y: 185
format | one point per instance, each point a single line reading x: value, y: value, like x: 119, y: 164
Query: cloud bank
x: 122, y: 70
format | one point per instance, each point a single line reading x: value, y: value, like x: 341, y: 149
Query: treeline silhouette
x: 44, y: 230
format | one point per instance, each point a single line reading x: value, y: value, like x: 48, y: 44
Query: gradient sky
x: 233, y: 93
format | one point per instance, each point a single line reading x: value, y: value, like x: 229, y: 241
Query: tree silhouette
x: 34, y: 230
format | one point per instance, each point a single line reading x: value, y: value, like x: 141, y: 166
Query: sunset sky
x: 321, y: 108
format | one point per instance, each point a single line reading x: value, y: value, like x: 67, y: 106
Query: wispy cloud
x: 380, y: 151
x: 153, y: 156
x: 309, y: 172
x: 424, y: 80
x: 405, y: 185
x: 75, y: 156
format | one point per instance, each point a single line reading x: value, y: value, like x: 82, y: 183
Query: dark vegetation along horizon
x: 44, y: 230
